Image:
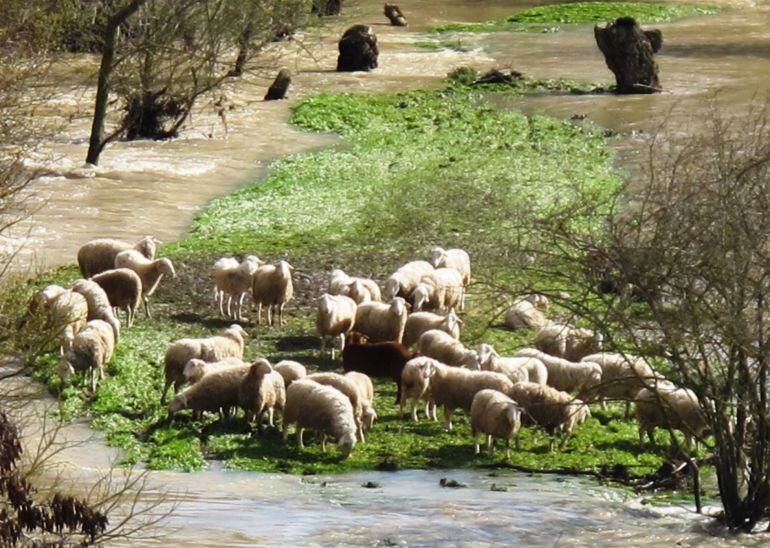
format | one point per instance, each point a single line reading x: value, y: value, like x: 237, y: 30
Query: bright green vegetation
x: 418, y: 169
x: 548, y: 18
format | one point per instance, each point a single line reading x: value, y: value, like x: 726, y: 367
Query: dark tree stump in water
x: 396, y: 16
x: 496, y: 76
x: 629, y: 53
x: 358, y: 49
x: 279, y: 87
x: 326, y: 7
x: 147, y: 115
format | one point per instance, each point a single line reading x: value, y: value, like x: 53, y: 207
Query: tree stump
x: 358, y: 49
x: 396, y: 16
x: 629, y: 53
x: 279, y: 87
x: 326, y: 7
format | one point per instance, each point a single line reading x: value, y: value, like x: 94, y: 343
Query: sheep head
x: 392, y: 287
x: 346, y: 444
x: 421, y: 296
x: 398, y: 307
x: 65, y: 369
x: 438, y: 256
x: 178, y: 403
x: 166, y: 267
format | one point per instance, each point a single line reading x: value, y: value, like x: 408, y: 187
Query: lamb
x: 149, y: 271
x: 322, y: 408
x: 91, y: 349
x: 623, y: 376
x: 234, y: 280
x: 380, y: 360
x: 573, y: 377
x: 211, y: 349
x: 358, y: 289
x: 524, y: 314
x: 496, y: 415
x: 453, y: 387
x: 567, y: 341
x: 382, y: 322
x: 196, y: 369
x: 670, y: 407
x: 457, y: 259
x: 518, y: 369
x: 123, y: 287
x: 67, y: 314
x: 553, y: 410
x: 290, y: 371
x: 272, y: 287
x: 335, y: 317
x: 262, y: 390
x: 366, y: 396
x: 441, y: 289
x: 97, y: 256
x: 348, y: 387
x: 403, y: 281
x: 215, y: 392
x: 99, y: 307
x: 414, y: 388
x: 442, y: 346
x: 420, y: 322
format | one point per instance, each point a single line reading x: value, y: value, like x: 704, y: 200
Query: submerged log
x: 358, y: 49
x: 396, y: 16
x: 279, y: 87
x: 629, y: 53
x: 495, y: 76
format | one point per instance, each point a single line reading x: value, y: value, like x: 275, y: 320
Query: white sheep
x: 99, y: 307
x: 99, y: 255
x: 365, y: 289
x: 403, y: 281
x: 667, y: 406
x: 455, y: 387
x: 381, y: 321
x: 443, y: 347
x: 322, y: 408
x: 420, y: 322
x: 210, y: 349
x: 360, y: 293
x: 91, y: 349
x: 262, y: 390
x: 516, y: 369
x: 366, y: 396
x: 414, y: 388
x: 568, y: 342
x: 540, y: 301
x: 290, y: 371
x: 496, y: 415
x: 273, y: 288
x: 573, y: 377
x: 216, y: 392
x: 335, y: 317
x: 442, y: 289
x: 457, y: 259
x: 196, y: 369
x: 233, y: 280
x: 524, y: 314
x: 123, y: 287
x: 347, y: 386
x: 150, y: 271
x: 67, y: 314
x: 623, y: 376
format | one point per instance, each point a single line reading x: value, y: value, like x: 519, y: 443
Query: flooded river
x: 157, y: 188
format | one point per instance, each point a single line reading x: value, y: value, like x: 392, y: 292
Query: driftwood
x: 629, y: 53
x: 279, y: 87
x: 496, y: 76
x: 396, y: 16
x: 358, y: 49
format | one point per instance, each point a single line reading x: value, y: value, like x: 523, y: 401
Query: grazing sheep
x: 568, y: 342
x: 573, y: 377
x: 672, y: 408
x: 273, y: 288
x: 335, y: 317
x: 99, y: 307
x: 379, y: 360
x: 99, y: 255
x: 524, y: 314
x: 540, y: 301
x: 234, y: 280
x: 415, y: 387
x: 455, y: 387
x: 262, y: 390
x: 42, y: 299
x: 366, y: 396
x: 348, y: 387
x: 67, y: 314
x: 496, y: 415
x: 523, y: 368
x: 623, y: 376
x: 420, y: 322
x: 365, y: 289
x: 196, y: 369
x: 149, y: 271
x: 403, y: 281
x: 457, y: 259
x: 215, y: 392
x: 290, y: 371
x: 442, y: 346
x: 211, y: 349
x: 322, y: 408
x: 91, y: 349
x: 554, y: 411
x: 382, y: 322
x: 123, y: 287
x: 360, y: 293
x: 443, y: 287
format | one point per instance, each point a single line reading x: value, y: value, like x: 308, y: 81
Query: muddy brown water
x: 158, y: 187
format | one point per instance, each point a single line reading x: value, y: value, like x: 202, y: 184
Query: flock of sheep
x: 547, y: 386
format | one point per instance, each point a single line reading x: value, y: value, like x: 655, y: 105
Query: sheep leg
x: 518, y: 442
x: 628, y: 410
x: 323, y: 345
x: 259, y: 313
x: 165, y: 390
x: 448, y: 418
x: 398, y: 395
x: 361, y: 437
x: 434, y: 407
x: 93, y: 379
x: 219, y: 299
x: 323, y: 443
x: 490, y: 445
x: 270, y: 417
x: 146, y: 307
x: 475, y: 436
x: 300, y: 432
x: 229, y: 306
x: 508, y: 448
x: 280, y: 316
x: 414, y: 411
x: 239, y: 316
x: 285, y: 431
x: 269, y: 314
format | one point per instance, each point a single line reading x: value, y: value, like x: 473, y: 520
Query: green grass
x: 549, y: 18
x: 418, y: 169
